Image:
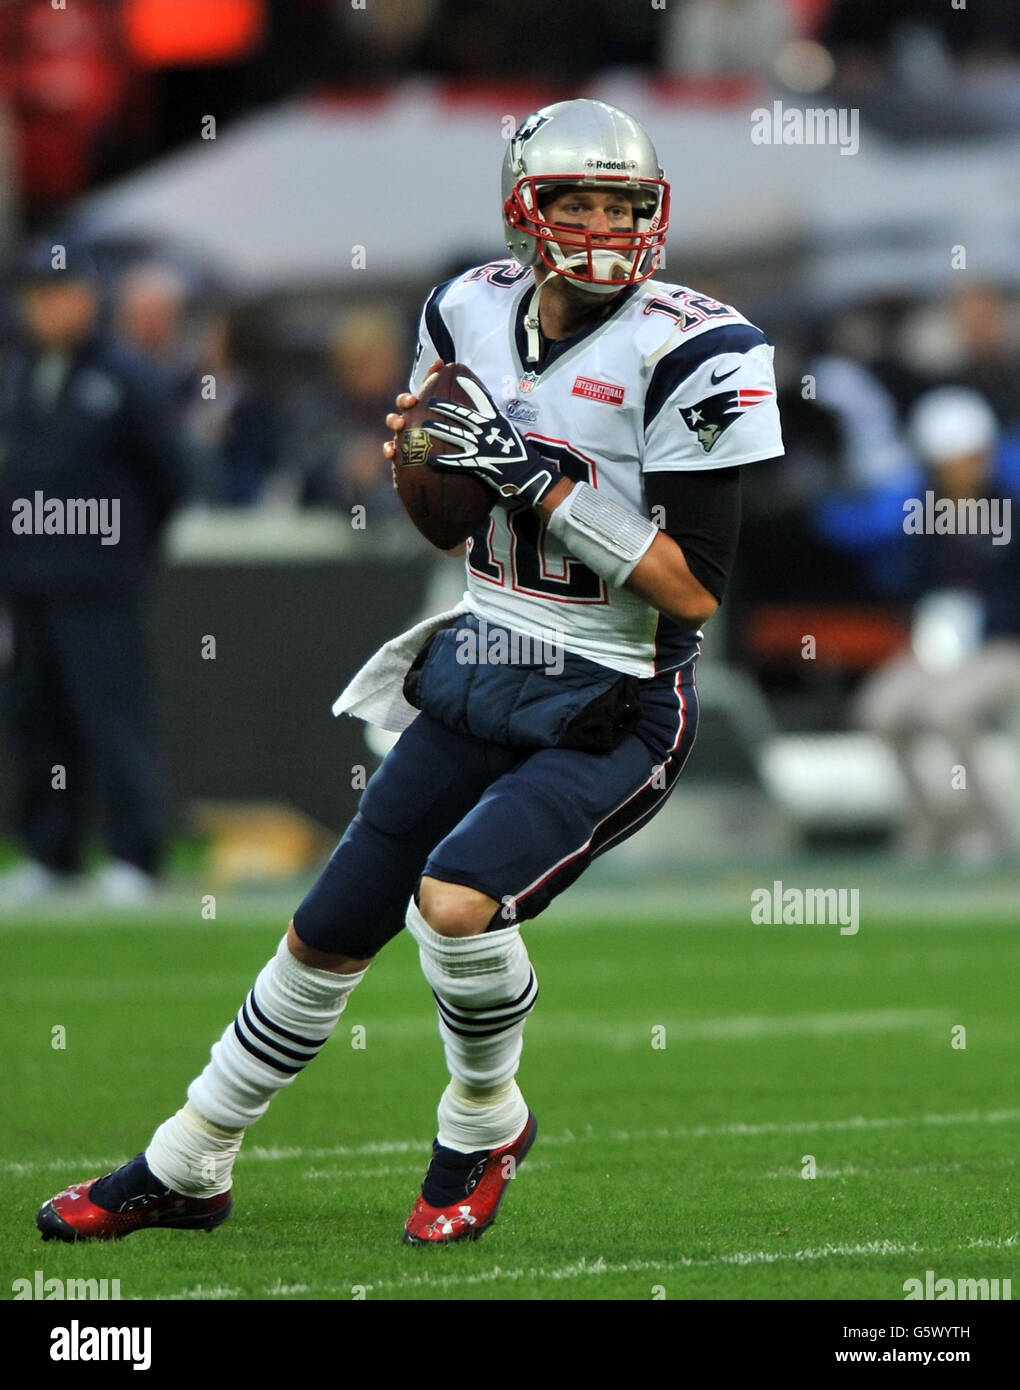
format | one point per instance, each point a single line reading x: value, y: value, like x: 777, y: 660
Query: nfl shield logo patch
x: 528, y: 381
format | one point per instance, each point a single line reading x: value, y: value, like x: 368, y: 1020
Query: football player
x: 615, y: 414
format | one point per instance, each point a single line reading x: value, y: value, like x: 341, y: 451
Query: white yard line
x: 217, y: 1291
x: 90, y: 1167
x: 757, y: 1026
x: 399, y: 1170
x: 637, y: 1032
x: 619, y: 1034
x: 151, y: 988
x: 851, y: 1171
x: 598, y: 1268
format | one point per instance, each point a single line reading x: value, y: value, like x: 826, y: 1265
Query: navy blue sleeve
x: 701, y: 512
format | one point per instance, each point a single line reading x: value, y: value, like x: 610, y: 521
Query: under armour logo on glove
x: 492, y: 449
x: 494, y: 437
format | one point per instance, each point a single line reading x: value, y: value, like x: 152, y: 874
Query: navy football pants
x: 518, y: 825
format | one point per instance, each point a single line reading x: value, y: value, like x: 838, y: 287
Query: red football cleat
x: 461, y: 1193
x: 128, y: 1199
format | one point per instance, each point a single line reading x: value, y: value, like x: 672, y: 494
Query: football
x: 445, y: 507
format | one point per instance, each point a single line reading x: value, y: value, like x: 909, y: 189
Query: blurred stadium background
x: 270, y: 189
x: 285, y: 247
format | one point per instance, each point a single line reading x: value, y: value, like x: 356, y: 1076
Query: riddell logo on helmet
x: 610, y: 163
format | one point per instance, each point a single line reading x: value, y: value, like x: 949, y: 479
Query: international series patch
x: 603, y: 391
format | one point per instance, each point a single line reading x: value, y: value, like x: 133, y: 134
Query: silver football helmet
x: 586, y: 144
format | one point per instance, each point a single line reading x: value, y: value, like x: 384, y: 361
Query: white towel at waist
x: 376, y: 693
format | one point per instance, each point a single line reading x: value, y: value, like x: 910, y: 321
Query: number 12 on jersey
x: 521, y: 549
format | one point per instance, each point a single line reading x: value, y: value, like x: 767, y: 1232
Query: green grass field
x: 675, y: 1168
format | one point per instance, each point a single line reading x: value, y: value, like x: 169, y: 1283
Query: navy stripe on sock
x: 477, y: 1033
x: 271, y: 1042
x: 283, y: 1032
x: 484, y: 1027
x: 255, y: 1052
x: 489, y: 1014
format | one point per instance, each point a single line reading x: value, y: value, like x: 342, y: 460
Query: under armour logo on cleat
x: 445, y: 1224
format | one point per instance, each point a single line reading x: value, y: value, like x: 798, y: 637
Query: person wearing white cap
x: 953, y: 423
x: 960, y: 675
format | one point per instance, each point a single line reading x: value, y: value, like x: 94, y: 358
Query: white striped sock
x: 484, y: 989
x: 287, y: 1017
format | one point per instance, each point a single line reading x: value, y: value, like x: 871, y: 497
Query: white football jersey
x: 670, y: 379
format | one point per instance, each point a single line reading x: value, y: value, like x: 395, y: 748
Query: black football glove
x: 493, y: 450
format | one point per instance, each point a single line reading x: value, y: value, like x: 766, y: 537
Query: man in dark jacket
x: 89, y: 471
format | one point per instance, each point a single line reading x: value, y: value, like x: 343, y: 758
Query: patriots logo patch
x: 711, y: 418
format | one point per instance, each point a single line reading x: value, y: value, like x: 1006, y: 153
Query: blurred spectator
x: 150, y: 317
x: 962, y: 673
x: 856, y: 28
x: 809, y: 513
x: 151, y: 299
x: 870, y: 332
x: 90, y: 473
x: 67, y: 77
x: 990, y: 352
x: 337, y: 434
x: 382, y: 41
x: 868, y: 386
x: 873, y: 450
x: 778, y: 543
x: 919, y: 68
x: 232, y: 419
x: 971, y: 337
x: 725, y: 38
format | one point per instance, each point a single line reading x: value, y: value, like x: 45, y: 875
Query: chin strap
x: 531, y: 323
x: 531, y: 320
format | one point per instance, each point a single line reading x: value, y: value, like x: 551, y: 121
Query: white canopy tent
x: 283, y: 199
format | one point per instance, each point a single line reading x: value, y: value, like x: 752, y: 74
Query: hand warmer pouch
x: 459, y: 679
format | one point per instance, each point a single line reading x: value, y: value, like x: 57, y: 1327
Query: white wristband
x: 610, y: 539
